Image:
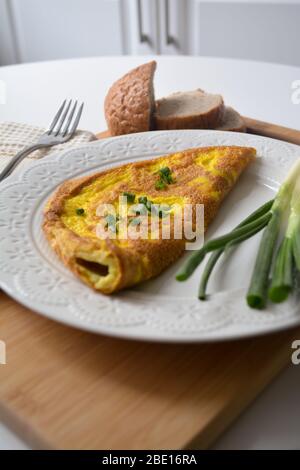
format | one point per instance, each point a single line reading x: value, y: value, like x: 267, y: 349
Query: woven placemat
x: 15, y: 136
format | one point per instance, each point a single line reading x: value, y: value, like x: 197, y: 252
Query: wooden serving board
x: 67, y: 389
x: 255, y: 127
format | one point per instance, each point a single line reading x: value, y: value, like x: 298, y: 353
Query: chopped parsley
x: 143, y: 200
x: 149, y: 205
x: 162, y: 214
x: 80, y: 211
x: 158, y: 211
x: 165, y: 178
x: 129, y: 196
x: 111, y: 222
x: 160, y: 185
x: 165, y: 173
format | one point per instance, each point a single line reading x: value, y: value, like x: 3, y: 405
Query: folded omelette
x: 108, y: 264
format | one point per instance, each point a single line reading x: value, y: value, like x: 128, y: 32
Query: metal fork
x: 61, y: 130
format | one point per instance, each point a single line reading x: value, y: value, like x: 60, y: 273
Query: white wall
x: 34, y: 30
x: 57, y: 29
x: 264, y: 30
x: 8, y: 49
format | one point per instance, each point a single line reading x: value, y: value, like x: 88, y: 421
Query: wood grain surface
x: 254, y: 127
x: 272, y: 130
x: 67, y: 389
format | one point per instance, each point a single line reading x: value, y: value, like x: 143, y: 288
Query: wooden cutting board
x: 255, y: 127
x: 67, y: 389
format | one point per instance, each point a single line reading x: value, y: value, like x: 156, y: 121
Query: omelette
x: 111, y: 263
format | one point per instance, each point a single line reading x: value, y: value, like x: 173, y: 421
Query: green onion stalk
x: 264, y: 209
x: 281, y: 282
x: 268, y: 217
x: 294, y: 224
x: 288, y: 253
x: 257, y: 219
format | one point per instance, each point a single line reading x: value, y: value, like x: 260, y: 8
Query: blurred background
x: 263, y: 30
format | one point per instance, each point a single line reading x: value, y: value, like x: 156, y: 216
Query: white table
x: 257, y: 90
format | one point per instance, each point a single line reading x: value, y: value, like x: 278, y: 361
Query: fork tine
x: 77, y: 119
x: 62, y: 119
x: 56, y: 117
x: 65, y: 130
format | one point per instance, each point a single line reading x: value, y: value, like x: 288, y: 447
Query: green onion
x: 286, y: 269
x: 293, y: 230
x: 207, y: 272
x: 296, y: 247
x: 191, y: 264
x: 247, y: 235
x: 222, y: 241
x: 80, y: 211
x: 149, y: 205
x: 288, y: 252
x: 197, y: 257
x: 165, y: 172
x: 257, y: 213
x: 143, y: 200
x: 162, y: 214
x: 257, y: 292
x: 160, y: 185
x: 165, y: 178
x: 216, y: 255
x: 111, y: 222
x: 282, y: 277
x: 129, y: 196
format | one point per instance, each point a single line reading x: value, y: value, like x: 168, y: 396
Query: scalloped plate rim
x: 133, y: 332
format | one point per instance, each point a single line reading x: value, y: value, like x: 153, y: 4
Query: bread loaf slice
x: 129, y: 104
x: 232, y: 121
x: 189, y: 110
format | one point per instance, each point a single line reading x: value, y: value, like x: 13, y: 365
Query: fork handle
x: 14, y: 162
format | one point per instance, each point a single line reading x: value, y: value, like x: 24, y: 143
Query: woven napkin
x: 14, y: 137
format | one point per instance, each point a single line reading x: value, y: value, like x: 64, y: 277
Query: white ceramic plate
x: 157, y: 310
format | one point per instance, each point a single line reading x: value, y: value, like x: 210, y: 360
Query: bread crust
x: 141, y: 259
x: 129, y: 104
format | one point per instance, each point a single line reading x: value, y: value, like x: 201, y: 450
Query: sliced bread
x: 232, y: 121
x: 129, y: 105
x: 189, y: 110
